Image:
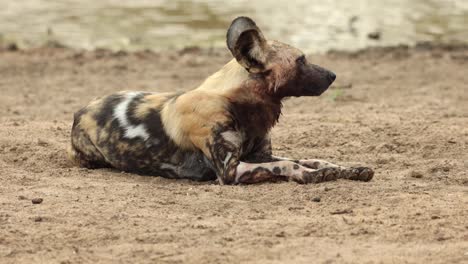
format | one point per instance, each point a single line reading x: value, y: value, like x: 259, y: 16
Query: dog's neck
x: 230, y: 76
x: 248, y: 97
x: 233, y: 79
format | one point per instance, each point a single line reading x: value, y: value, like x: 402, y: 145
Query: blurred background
x: 312, y: 25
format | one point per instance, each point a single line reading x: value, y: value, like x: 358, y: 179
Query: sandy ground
x: 401, y: 111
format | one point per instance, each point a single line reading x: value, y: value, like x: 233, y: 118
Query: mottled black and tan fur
x: 219, y: 130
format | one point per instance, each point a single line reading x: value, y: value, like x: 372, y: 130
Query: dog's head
x: 284, y: 69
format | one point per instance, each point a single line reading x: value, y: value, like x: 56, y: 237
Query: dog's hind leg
x: 83, y: 152
x: 86, y: 158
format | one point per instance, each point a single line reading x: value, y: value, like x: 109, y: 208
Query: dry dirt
x: 401, y: 111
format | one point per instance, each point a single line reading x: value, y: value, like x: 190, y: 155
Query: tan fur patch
x: 89, y: 124
x: 71, y: 153
x: 151, y: 102
x: 190, y: 119
x: 232, y: 75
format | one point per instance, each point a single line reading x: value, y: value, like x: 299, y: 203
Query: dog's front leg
x: 224, y: 151
x: 283, y: 170
x: 350, y: 173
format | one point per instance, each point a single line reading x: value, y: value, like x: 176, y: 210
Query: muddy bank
x: 402, y: 111
x: 311, y: 25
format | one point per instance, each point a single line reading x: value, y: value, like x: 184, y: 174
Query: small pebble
x: 12, y: 47
x: 38, y: 219
x: 443, y: 238
x: 339, y: 212
x: 42, y: 142
x: 374, y: 35
x: 281, y: 234
x: 316, y: 199
x: 37, y: 200
x: 416, y: 174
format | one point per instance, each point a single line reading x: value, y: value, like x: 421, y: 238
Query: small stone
x: 416, y: 174
x: 281, y: 234
x: 345, y: 211
x: 434, y: 217
x: 374, y: 35
x: 443, y: 238
x: 327, y: 189
x: 42, y: 142
x: 38, y: 219
x: 12, y: 47
x: 22, y: 197
x: 37, y: 200
x: 316, y: 199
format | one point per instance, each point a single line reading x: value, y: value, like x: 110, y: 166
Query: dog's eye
x: 301, y: 59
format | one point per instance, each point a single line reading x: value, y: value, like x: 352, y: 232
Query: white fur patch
x: 166, y: 166
x: 226, y: 160
x: 120, y: 113
x: 232, y: 137
x: 241, y: 169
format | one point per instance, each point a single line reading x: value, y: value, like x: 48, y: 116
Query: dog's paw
x: 309, y: 163
x: 322, y: 175
x: 358, y: 174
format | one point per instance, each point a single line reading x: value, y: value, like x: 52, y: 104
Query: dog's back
x: 125, y: 131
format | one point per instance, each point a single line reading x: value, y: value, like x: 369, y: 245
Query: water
x: 312, y: 25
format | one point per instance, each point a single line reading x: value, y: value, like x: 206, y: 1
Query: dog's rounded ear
x: 247, y: 44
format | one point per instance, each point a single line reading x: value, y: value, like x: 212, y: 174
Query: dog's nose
x: 331, y: 77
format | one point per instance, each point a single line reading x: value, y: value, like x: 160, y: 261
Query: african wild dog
x: 219, y: 130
